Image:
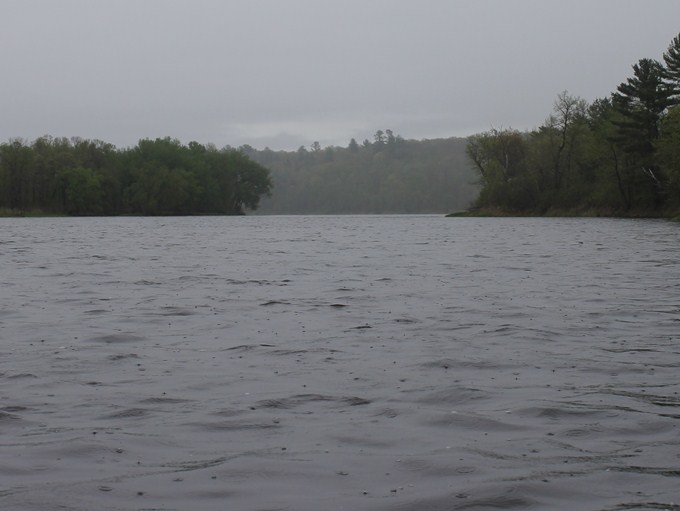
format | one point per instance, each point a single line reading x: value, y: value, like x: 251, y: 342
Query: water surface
x: 339, y: 362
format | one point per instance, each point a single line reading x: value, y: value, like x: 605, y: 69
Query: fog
x: 284, y: 74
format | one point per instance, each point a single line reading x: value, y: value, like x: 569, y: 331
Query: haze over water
x: 339, y: 362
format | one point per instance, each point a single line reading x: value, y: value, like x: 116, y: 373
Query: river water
x: 339, y: 363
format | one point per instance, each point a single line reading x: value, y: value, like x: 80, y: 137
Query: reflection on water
x: 369, y: 363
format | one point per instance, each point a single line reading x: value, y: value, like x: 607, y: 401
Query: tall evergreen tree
x: 641, y: 100
x: 672, y: 60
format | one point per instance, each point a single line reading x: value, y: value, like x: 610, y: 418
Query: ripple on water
x: 7, y: 418
x: 462, y: 501
x: 563, y: 414
x: 226, y: 426
x: 176, y: 311
x: 123, y: 356
x: 128, y: 413
x: 451, y: 363
x: 454, y: 395
x: 471, y: 421
x: 161, y: 400
x: 434, y: 466
x: 121, y: 338
x: 558, y: 357
x: 299, y: 400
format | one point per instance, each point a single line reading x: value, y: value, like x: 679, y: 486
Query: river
x: 339, y: 363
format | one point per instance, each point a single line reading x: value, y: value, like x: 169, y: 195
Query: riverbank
x: 16, y: 213
x: 12, y: 213
x: 561, y: 213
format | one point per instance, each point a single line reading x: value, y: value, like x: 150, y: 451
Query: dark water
x: 328, y: 363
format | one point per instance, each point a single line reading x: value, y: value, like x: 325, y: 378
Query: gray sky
x: 283, y: 73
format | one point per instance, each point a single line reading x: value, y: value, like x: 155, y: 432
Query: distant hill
x: 388, y: 175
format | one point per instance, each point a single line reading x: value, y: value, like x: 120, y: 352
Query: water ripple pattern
x: 339, y: 363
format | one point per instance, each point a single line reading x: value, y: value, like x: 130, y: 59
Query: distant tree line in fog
x: 387, y: 174
x: 156, y: 177
x: 618, y: 155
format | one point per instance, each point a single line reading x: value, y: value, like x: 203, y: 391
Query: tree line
x: 387, y: 174
x: 618, y: 155
x: 156, y: 177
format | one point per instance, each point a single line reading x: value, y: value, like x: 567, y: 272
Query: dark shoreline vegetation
x: 556, y: 213
x: 618, y: 156
x: 386, y: 175
x: 60, y: 176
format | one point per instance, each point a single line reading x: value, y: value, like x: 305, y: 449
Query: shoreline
x: 591, y: 213
x: 466, y: 213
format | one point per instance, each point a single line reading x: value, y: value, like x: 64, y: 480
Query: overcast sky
x: 285, y: 73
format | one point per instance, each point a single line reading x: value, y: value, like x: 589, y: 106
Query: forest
x: 618, y: 155
x: 387, y: 174
x: 79, y: 177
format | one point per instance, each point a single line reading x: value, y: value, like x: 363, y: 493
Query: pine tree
x: 672, y: 60
x: 641, y: 100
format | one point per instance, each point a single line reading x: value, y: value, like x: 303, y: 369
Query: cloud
x: 289, y: 73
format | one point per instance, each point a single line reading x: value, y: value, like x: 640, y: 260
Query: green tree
x: 672, y: 60
x: 379, y: 138
x: 499, y: 156
x: 641, y: 102
x: 566, y: 121
x: 81, y: 191
x: 251, y: 180
x: 611, y: 187
x: 16, y: 159
x: 669, y: 156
